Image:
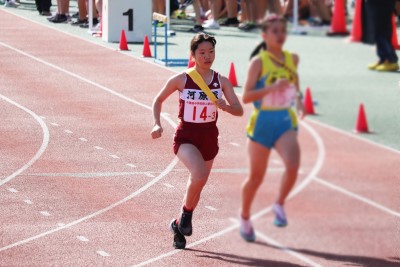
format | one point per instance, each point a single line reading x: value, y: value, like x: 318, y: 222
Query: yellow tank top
x: 269, y: 74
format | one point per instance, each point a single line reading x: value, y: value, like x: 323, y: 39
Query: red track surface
x: 83, y: 184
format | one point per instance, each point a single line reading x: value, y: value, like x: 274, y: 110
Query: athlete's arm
x: 174, y: 83
x: 299, y: 102
x: 233, y: 107
x: 253, y: 73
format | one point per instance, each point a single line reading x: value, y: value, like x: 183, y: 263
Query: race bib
x: 281, y: 99
x: 198, y: 109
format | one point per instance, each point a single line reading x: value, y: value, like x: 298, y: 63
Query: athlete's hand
x: 156, y: 132
x: 300, y: 108
x: 221, y: 104
x: 282, y: 84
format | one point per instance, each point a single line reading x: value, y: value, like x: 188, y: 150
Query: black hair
x: 200, y: 38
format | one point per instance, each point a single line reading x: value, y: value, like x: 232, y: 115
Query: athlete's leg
x: 258, y: 159
x: 288, y: 148
x: 199, y: 170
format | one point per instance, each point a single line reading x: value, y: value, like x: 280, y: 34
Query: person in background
x: 381, y: 14
x: 43, y: 7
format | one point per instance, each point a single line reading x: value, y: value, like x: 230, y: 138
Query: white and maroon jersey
x: 194, y: 105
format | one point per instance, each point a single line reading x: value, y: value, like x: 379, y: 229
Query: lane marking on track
x: 45, y: 213
x: 43, y: 146
x: 68, y: 131
x: 82, y: 238
x: 358, y: 197
x: 114, y: 156
x: 55, y: 124
x: 168, y: 169
x: 28, y: 201
x: 279, y: 246
x: 99, y: 212
x: 42, y: 117
x: 211, y: 208
x: 169, y: 185
x: 98, y: 147
x: 131, y: 165
x: 83, y: 139
x: 12, y: 190
x: 311, y: 176
x: 234, y: 144
x: 103, y: 253
x: 287, y: 250
x: 355, y: 136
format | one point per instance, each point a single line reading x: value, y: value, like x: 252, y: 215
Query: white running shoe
x: 211, y: 24
x: 247, y: 230
x: 11, y: 3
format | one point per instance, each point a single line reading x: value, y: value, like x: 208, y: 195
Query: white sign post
x: 132, y: 16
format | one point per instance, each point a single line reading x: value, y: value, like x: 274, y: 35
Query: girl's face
x: 275, y: 35
x: 204, y: 54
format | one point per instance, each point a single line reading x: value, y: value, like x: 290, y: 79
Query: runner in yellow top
x: 272, y: 86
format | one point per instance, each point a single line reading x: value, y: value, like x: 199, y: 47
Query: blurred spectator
x: 232, y: 10
x: 377, y: 17
x: 217, y: 10
x: 43, y: 7
x: 82, y: 13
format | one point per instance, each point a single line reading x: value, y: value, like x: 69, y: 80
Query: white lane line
x: 287, y: 250
x: 358, y: 137
x: 28, y: 201
x: 131, y: 165
x: 98, y: 147
x: 114, y: 156
x: 55, y: 124
x: 68, y: 131
x: 211, y: 208
x: 45, y: 213
x: 82, y: 238
x: 167, y: 170
x: 42, y: 117
x: 61, y: 224
x: 316, y: 168
x: 12, y: 190
x: 83, y: 139
x: 148, y: 174
x: 169, y: 185
x: 43, y: 146
x: 234, y: 144
x: 358, y: 197
x: 103, y: 253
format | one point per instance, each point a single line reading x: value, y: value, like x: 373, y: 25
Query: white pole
x: 90, y: 4
x: 295, y: 15
x: 168, y: 14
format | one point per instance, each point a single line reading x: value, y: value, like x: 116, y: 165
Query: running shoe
x: 388, y: 66
x: 247, y: 230
x: 79, y: 22
x: 373, y: 66
x: 185, y: 223
x: 247, y: 26
x: 11, y: 3
x: 196, y: 29
x: 230, y: 22
x: 179, y: 239
x: 280, y: 216
x: 211, y: 24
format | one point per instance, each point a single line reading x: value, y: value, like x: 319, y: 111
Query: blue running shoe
x: 247, y: 231
x: 280, y: 216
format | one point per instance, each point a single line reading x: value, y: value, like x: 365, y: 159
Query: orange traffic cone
x: 338, y: 24
x: 395, y: 42
x: 146, y: 47
x: 361, y: 124
x: 356, y: 30
x: 191, y: 62
x: 308, y: 102
x: 123, y: 45
x: 232, y: 75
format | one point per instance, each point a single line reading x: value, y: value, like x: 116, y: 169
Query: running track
x: 83, y: 184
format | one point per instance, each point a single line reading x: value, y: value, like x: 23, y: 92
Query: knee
x: 254, y: 180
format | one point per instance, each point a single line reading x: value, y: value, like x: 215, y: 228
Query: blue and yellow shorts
x: 266, y: 126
